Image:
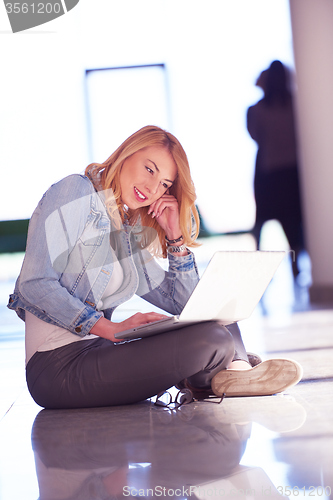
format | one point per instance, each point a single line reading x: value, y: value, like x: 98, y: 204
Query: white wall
x: 42, y: 122
x: 313, y: 41
x: 213, y: 52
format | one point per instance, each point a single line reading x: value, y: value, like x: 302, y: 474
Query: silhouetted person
x: 270, y: 123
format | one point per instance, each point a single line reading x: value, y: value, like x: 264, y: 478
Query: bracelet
x: 179, y: 249
x: 170, y: 242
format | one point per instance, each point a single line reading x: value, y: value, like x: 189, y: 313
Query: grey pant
x: 93, y: 373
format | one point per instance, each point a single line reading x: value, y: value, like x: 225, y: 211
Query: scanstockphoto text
x: 186, y: 491
x: 218, y: 492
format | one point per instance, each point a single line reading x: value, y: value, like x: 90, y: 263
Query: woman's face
x: 146, y: 176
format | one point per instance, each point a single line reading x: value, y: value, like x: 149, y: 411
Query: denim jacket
x: 69, y: 262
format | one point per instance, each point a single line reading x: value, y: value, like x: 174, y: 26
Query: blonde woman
x: 91, y: 246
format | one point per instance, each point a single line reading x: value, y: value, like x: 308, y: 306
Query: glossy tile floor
x: 247, y: 448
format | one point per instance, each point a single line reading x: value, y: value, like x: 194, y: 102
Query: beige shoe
x: 265, y: 379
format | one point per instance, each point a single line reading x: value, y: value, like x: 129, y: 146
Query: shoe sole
x: 267, y: 378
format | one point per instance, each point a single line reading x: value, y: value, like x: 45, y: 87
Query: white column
x: 312, y: 26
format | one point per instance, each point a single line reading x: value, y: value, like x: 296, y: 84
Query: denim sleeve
x: 168, y: 290
x: 67, y: 205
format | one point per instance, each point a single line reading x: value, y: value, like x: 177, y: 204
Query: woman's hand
x: 166, y: 212
x: 107, y: 329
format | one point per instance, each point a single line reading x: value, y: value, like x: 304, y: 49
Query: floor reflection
x: 144, y: 450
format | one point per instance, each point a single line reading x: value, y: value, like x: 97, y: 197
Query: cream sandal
x: 266, y: 378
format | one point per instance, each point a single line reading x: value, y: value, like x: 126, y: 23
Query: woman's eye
x: 149, y: 170
x: 165, y: 185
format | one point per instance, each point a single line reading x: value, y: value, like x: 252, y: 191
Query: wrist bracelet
x: 174, y: 241
x: 179, y: 249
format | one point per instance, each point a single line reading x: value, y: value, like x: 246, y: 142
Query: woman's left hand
x: 166, y: 212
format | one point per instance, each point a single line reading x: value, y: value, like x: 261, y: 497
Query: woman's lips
x: 138, y: 195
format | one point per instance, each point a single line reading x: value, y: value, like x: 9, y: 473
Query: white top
x: 41, y: 336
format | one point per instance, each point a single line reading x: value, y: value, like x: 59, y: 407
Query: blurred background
x: 73, y: 89
x: 72, y: 96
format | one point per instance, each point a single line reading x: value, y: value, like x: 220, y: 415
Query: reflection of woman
x: 95, y: 453
x: 90, y: 246
x: 270, y: 123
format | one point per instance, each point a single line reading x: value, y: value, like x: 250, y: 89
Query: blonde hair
x: 106, y: 176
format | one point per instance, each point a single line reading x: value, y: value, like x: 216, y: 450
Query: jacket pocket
x: 95, y: 231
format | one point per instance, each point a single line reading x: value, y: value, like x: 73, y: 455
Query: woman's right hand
x: 107, y: 329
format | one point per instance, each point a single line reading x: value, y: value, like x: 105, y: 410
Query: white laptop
x: 228, y: 291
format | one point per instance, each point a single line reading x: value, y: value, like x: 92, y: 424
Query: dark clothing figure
x: 270, y: 123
